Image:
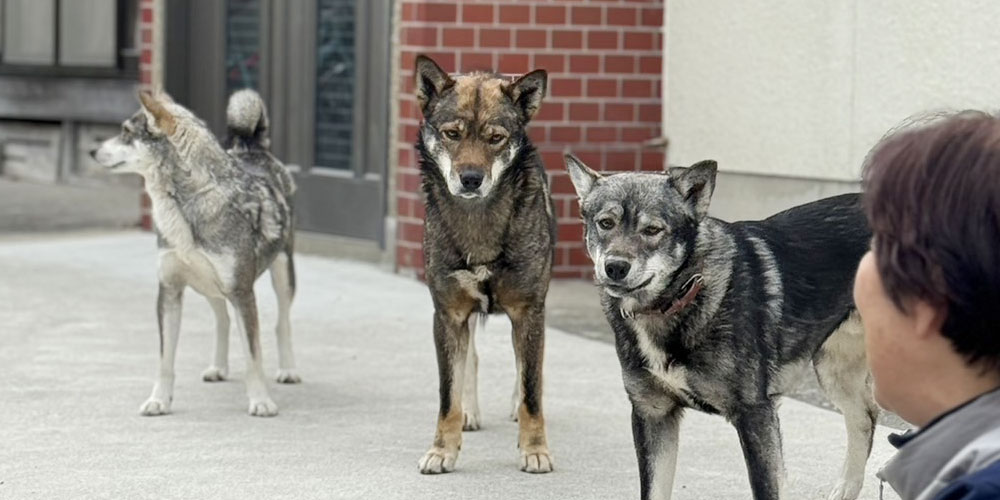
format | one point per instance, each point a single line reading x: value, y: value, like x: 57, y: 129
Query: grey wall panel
x: 29, y: 32
x: 87, y: 30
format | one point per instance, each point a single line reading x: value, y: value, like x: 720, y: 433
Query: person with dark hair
x: 929, y: 296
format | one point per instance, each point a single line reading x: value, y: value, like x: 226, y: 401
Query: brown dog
x: 489, y: 239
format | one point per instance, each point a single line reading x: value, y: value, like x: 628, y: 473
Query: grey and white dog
x: 222, y: 218
x: 725, y: 317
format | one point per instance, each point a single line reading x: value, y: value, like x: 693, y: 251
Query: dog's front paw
x: 214, y: 374
x: 288, y: 377
x: 470, y: 421
x: 438, y: 461
x: 845, y: 490
x: 154, y: 407
x: 263, y: 408
x: 536, y: 460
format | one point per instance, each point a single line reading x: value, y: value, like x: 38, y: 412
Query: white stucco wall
x: 804, y: 88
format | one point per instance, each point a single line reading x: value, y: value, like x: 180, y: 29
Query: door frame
x: 350, y: 203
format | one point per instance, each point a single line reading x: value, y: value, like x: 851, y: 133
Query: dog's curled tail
x: 246, y: 119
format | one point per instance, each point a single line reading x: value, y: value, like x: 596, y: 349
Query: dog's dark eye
x: 606, y: 224
x: 496, y: 138
x: 652, y: 230
x: 452, y: 134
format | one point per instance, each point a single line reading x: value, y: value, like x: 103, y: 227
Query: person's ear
x: 927, y: 318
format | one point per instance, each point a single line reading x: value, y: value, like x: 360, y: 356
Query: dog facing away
x: 222, y: 218
x: 489, y: 240
x: 725, y: 317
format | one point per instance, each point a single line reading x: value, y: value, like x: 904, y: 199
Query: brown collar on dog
x: 693, y: 286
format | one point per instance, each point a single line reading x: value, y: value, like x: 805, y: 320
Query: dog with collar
x: 725, y: 317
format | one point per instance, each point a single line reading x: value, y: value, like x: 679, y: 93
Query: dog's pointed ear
x: 695, y: 184
x: 583, y: 177
x: 528, y: 91
x: 157, y: 112
x: 431, y: 81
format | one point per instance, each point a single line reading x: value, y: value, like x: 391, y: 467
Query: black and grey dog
x: 489, y: 238
x: 725, y: 317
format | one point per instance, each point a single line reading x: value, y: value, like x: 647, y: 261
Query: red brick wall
x: 146, y: 15
x: 604, y: 62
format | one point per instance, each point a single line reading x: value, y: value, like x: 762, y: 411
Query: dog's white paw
x: 470, y: 421
x: 154, y: 407
x: 537, y: 461
x: 214, y: 374
x: 288, y: 377
x: 438, y: 461
x: 845, y: 490
x: 263, y: 408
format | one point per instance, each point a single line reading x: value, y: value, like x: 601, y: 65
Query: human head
x: 929, y: 290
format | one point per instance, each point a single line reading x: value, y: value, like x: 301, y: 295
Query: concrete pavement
x: 78, y: 350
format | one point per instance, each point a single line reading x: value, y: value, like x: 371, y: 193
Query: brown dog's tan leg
x: 451, y: 337
x: 529, y: 345
x: 515, y: 397
x: 470, y: 393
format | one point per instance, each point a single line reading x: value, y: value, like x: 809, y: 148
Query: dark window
x: 242, y: 45
x: 335, y: 71
x: 69, y: 37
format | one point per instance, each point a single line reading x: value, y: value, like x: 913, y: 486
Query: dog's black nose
x: 93, y: 153
x: 471, y: 179
x: 617, y: 269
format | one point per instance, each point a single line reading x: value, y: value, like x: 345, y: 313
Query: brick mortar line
x: 533, y: 25
x: 542, y: 51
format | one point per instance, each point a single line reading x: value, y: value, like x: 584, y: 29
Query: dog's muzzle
x: 617, y: 269
x: 471, y: 180
x: 471, y: 183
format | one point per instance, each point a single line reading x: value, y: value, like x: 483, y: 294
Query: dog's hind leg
x: 760, y: 437
x: 655, y: 432
x: 245, y: 304
x: 843, y: 373
x: 283, y: 280
x: 470, y: 394
x: 515, y: 398
x: 168, y: 313
x: 451, y: 338
x: 529, y: 345
x: 219, y: 368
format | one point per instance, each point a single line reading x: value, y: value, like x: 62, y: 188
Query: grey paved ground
x: 77, y: 355
x: 27, y: 206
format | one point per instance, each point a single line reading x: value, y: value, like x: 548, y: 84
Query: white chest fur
x: 670, y: 376
x: 212, y: 275
x: 170, y: 221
